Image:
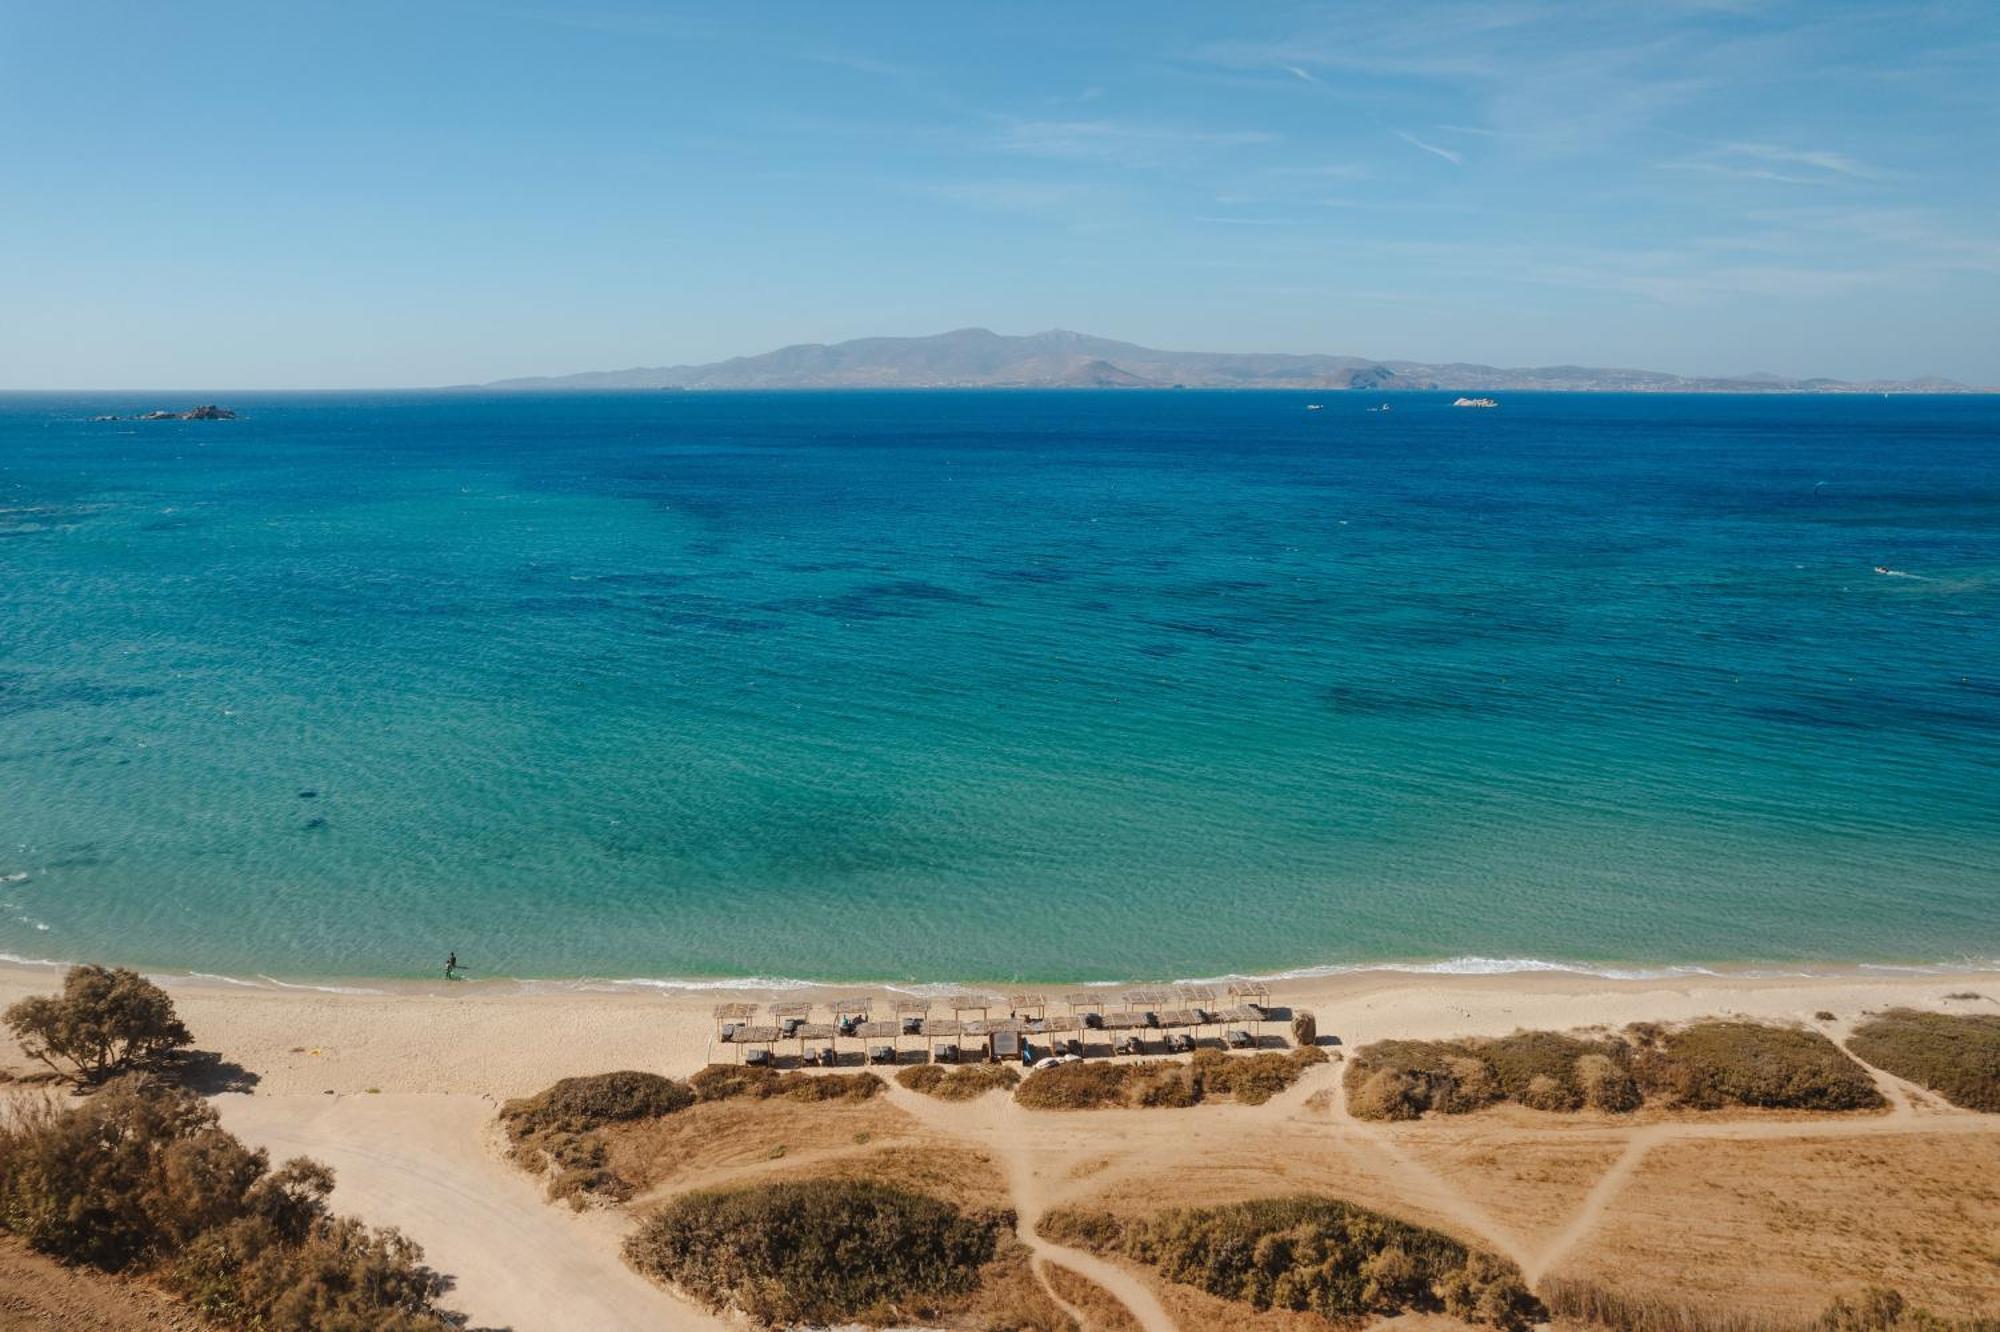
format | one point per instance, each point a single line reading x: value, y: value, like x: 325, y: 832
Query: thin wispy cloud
x: 1298, y: 72
x: 1456, y: 159
x: 1106, y: 140
x: 1837, y: 163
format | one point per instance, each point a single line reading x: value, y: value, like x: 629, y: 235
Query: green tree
x: 106, y: 1020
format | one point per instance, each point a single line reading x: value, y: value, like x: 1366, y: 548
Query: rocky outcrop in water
x: 206, y: 412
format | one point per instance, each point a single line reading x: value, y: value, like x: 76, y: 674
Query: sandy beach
x: 398, y: 1088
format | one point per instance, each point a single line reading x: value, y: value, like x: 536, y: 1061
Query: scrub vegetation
x: 140, y: 1179
x: 1311, y: 1255
x: 819, y: 1252
x: 963, y: 1083
x: 1709, y: 1065
x: 1956, y: 1055
x: 1251, y: 1079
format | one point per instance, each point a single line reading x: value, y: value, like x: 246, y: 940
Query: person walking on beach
x: 451, y: 967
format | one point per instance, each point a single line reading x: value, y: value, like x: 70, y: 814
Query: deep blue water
x: 984, y: 685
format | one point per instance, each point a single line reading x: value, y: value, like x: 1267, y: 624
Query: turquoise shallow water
x: 982, y: 685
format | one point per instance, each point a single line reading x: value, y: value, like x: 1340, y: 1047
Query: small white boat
x: 1475, y: 402
x: 1315, y: 406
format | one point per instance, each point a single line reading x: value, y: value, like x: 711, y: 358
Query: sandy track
x: 421, y: 1163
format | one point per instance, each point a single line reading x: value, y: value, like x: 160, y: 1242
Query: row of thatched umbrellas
x: 1179, y: 1008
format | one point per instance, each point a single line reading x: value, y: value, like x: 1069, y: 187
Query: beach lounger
x: 1240, y: 1039
x: 882, y: 1054
x: 1127, y: 1045
x: 759, y: 1058
x: 913, y: 1026
x: 790, y: 1027
x: 728, y: 1032
x: 947, y: 1054
x: 1180, y: 1043
x: 829, y: 1057
x: 1094, y: 1021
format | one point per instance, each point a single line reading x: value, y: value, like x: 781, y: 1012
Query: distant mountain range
x: 980, y: 358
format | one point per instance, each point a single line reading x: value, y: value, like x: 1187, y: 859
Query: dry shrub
x: 1312, y: 1255
x: 1719, y: 1064
x: 557, y: 1131
x: 1090, y: 1086
x: 1305, y: 1028
x: 1384, y: 1094
x: 1082, y: 1228
x: 725, y: 1082
x: 963, y: 1083
x: 1955, y: 1055
x: 819, y: 1251
x: 579, y: 1105
x: 1607, y: 1085
x: 1252, y: 1079
x: 1703, y: 1066
x: 141, y: 1178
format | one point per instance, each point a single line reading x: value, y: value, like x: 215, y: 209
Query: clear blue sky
x: 248, y: 193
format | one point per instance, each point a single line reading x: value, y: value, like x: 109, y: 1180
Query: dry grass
x: 1101, y: 1310
x: 1769, y: 1227
x: 1010, y: 1297
x: 1527, y: 1174
x: 714, y: 1139
x: 1874, y: 1309
x: 963, y: 1083
x: 1955, y: 1055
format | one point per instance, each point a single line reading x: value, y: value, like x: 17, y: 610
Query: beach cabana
x: 1255, y: 993
x: 732, y: 1015
x: 1031, y: 1007
x: 961, y: 1004
x: 849, y: 1010
x: 789, y: 1016
x: 1086, y: 1008
x: 747, y: 1040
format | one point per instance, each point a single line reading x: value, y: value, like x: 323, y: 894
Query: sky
x: 237, y: 193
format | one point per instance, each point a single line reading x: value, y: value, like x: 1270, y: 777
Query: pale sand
x: 397, y: 1090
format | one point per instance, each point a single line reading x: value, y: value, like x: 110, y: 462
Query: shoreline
x: 760, y: 985
x: 499, y: 1039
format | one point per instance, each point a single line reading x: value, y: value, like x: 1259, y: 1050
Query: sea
x: 934, y: 688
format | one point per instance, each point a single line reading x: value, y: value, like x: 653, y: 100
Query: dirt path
x: 998, y: 1124
x: 421, y: 1163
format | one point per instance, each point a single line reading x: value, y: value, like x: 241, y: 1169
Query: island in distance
x: 208, y: 411
x: 980, y: 358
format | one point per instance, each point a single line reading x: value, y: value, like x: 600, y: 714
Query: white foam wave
x: 322, y: 989
x: 15, y: 959
x: 212, y: 976
x: 613, y: 985
x: 1464, y: 966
